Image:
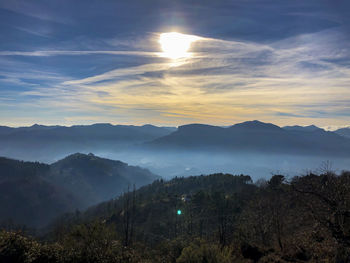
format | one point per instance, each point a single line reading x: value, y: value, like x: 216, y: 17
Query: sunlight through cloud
x: 176, y: 45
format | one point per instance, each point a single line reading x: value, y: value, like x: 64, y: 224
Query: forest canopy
x: 224, y: 218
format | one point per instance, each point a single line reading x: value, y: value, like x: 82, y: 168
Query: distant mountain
x: 45, y: 143
x: 310, y: 128
x: 255, y: 136
x: 256, y: 126
x: 343, y: 132
x: 35, y: 193
x: 5, y: 130
x: 99, y: 131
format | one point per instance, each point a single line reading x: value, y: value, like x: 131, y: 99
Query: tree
x: 129, y: 216
x: 327, y: 199
x: 92, y: 242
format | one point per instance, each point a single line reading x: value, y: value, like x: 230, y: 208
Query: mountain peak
x: 258, y: 125
x: 148, y: 125
x: 78, y: 156
x: 196, y: 125
x: 37, y: 126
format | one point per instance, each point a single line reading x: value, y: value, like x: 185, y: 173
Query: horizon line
x: 326, y: 128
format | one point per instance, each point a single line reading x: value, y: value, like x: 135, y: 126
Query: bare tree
x: 327, y: 198
x: 128, y: 213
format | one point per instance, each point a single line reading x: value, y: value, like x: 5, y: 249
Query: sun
x: 176, y: 45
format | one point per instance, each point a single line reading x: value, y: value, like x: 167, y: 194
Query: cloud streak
x: 225, y: 81
x: 49, y: 53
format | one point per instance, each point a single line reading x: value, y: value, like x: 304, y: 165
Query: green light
x: 179, y: 212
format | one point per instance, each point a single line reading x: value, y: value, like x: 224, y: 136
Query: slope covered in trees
x: 216, y: 218
x: 34, y: 193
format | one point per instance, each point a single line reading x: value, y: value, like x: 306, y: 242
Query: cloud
x: 286, y: 114
x: 226, y: 81
x: 48, y: 53
x: 35, y: 10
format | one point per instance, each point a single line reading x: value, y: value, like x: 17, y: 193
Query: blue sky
x: 80, y: 62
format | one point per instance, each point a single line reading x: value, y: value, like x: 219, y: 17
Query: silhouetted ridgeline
x: 255, y: 136
x: 215, y: 218
x: 35, y: 193
x: 49, y: 143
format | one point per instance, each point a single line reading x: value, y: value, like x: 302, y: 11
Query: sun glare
x: 176, y: 45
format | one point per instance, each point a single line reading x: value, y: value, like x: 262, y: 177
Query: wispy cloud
x: 226, y: 81
x: 48, y: 53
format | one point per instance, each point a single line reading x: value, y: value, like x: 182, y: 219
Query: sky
x: 72, y: 62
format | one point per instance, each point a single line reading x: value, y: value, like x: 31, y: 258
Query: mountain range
x: 33, y: 193
x: 50, y: 143
x: 256, y: 136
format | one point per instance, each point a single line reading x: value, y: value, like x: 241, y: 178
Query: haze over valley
x: 255, y: 148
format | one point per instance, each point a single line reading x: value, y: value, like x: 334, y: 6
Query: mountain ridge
x: 255, y: 136
x: 345, y: 132
x: 40, y: 192
x: 46, y: 143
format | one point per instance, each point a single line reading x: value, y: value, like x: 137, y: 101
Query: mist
x: 172, y: 163
x: 251, y: 148
x: 169, y: 164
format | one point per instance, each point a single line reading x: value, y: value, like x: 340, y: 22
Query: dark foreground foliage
x: 223, y: 218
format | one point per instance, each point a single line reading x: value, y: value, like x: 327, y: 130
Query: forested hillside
x: 33, y: 194
x: 215, y: 218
